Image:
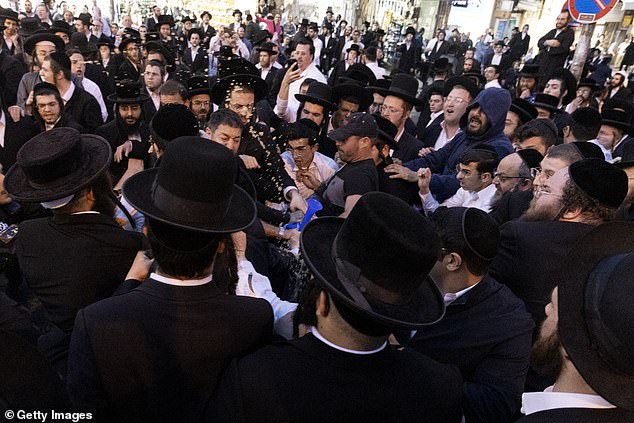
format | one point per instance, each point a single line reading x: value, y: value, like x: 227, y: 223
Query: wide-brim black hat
x: 236, y: 72
x: 205, y: 164
x: 160, y: 46
x: 128, y: 91
x: 127, y: 40
x: 104, y: 40
x: 403, y: 86
x: 530, y: 71
x: 319, y: 244
x: 266, y: 47
x: 189, y: 19
x: 355, y: 90
x: 236, y: 12
x: 56, y: 164
x: 546, y: 101
x: 475, y: 76
x: 29, y: 26
x: 462, y: 81
x: 198, y: 85
x: 9, y: 14
x: 608, y: 239
x: 617, y: 119
x: 60, y: 26
x: 318, y: 93
x: 260, y: 36
x: 86, y: 18
x: 387, y: 131
x: 165, y: 20
x: 588, y: 82
x: 29, y: 43
x: 524, y: 109
x: 441, y: 65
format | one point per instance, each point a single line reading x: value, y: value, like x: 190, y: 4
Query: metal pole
x: 581, y: 52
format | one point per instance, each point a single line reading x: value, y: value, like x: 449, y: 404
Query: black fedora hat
x: 38, y: 37
x: 530, y: 70
x: 588, y: 82
x: 128, y: 91
x: 304, y: 22
x: 61, y: 26
x: 318, y: 93
x: 461, y: 81
x: 162, y: 48
x: 387, y: 131
x: 165, y: 20
x: 236, y: 72
x: 190, y: 19
x: 205, y: 13
x: 85, y: 18
x: 193, y: 189
x: 9, y: 14
x: 379, y: 86
x: 351, y: 88
x: 596, y: 323
x: 570, y: 83
x: 104, y: 40
x: 441, y: 65
x: 476, y: 77
x: 79, y: 41
x: 173, y: 121
x: 128, y: 39
x: 361, y: 73
x: 237, y: 12
x: 617, y: 119
x: 198, y: 85
x: 410, y: 30
x: 267, y: 48
x: 546, y: 101
x: 56, y: 164
x: 523, y: 109
x: 29, y: 26
x: 396, y: 295
x: 405, y: 87
x: 354, y: 47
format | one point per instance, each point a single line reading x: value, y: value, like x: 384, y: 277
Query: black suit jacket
x: 529, y: 259
x: 510, y: 206
x: 408, y: 147
x: 579, y: 415
x: 327, y: 52
x: 15, y: 135
x: 155, y: 353
x: 409, y: 57
x: 84, y: 109
x: 518, y: 46
x: 551, y: 58
x: 70, y: 261
x: 201, y: 63
x: 11, y: 72
x: 271, y: 78
x: 487, y: 333
x: 306, y: 380
x: 337, y: 72
x: 148, y: 110
x: 429, y: 134
x: 624, y: 94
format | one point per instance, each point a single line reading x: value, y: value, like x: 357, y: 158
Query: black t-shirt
x: 353, y: 179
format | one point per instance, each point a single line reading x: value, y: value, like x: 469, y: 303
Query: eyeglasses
x: 456, y: 100
x: 389, y: 110
x: 201, y: 103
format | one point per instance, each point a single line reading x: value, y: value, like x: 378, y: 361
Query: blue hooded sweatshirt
x: 495, y: 103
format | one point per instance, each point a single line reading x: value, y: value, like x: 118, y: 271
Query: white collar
x: 319, y: 336
x: 533, y: 402
x: 179, y: 282
x: 85, y: 212
x: 3, y: 118
x: 450, y: 297
x: 69, y: 92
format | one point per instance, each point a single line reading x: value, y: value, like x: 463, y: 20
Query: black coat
x: 126, y: 70
x: 551, y: 58
x: 115, y: 137
x: 529, y: 259
x: 306, y: 380
x: 327, y: 52
x: 11, y: 72
x: 408, y: 147
x: 270, y: 79
x: 201, y: 63
x: 580, y: 415
x: 429, y: 134
x: 406, y: 191
x: 518, y: 46
x: 148, y: 110
x: 155, y: 353
x: 409, y: 57
x: 84, y: 109
x: 511, y: 206
x: 337, y: 72
x: 71, y: 261
x: 15, y: 135
x: 487, y: 333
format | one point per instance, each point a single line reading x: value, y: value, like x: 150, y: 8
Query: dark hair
x: 172, y: 87
x: 102, y: 190
x: 565, y: 152
x: 595, y: 213
x: 305, y: 41
x: 370, y: 53
x: 306, y: 82
x: 36, y: 113
x: 56, y: 67
x: 183, y: 253
x: 350, y: 99
x: 156, y: 50
x: 495, y: 67
x: 543, y: 128
x: 157, y: 64
x: 585, y: 130
x: 452, y: 239
x: 224, y: 117
x: 487, y: 160
x: 72, y: 51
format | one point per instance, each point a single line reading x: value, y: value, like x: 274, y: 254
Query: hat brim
x: 169, y: 57
x: 95, y: 159
x: 30, y: 42
x: 524, y: 115
x: 617, y: 124
x: 349, y: 90
x: 326, y: 104
x: 124, y: 43
x: 425, y: 308
x: 128, y: 100
x: 607, y: 240
x: 546, y: 107
x: 240, y: 212
x: 54, y: 30
x: 198, y: 91
x: 220, y: 88
x: 400, y: 94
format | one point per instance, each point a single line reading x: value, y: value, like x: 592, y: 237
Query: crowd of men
x: 270, y: 221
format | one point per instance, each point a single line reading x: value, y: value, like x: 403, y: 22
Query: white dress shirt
x: 318, y: 46
x: 69, y: 93
x: 178, y: 282
x: 378, y: 71
x: 450, y: 297
x: 289, y: 113
x: 322, y: 168
x: 93, y: 89
x: 462, y: 198
x: 3, y: 127
x: 492, y: 84
x: 155, y: 97
x: 443, y: 139
x: 533, y: 402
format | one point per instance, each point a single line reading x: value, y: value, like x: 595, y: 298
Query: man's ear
x: 452, y: 262
x: 322, y: 305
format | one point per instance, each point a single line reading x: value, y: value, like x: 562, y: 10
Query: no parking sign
x: 588, y: 11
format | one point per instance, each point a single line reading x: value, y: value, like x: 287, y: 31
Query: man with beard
x: 565, y: 206
x: 617, y: 88
x: 585, y: 344
x: 199, y: 98
x: 127, y: 134
x: 486, y: 331
x: 554, y: 47
x: 475, y: 175
x: 48, y: 109
x: 585, y: 96
x: 482, y: 123
x: 514, y: 184
x: 239, y: 88
x: 526, y: 86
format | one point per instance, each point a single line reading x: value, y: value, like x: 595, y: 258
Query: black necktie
x: 435, y: 49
